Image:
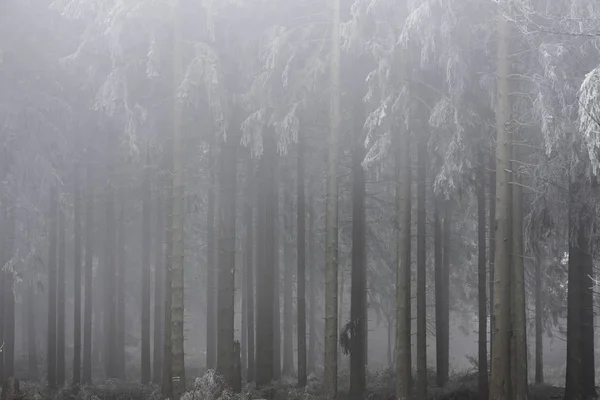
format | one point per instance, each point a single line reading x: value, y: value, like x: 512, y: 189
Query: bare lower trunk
x: 159, y: 272
x: 491, y: 242
x: 110, y: 306
x: 146, y: 369
x: 312, y: 333
x: 288, y: 284
x: 61, y: 277
x: 31, y: 334
x: 9, y: 293
x: 211, y: 261
x: 421, y: 269
x: 121, y: 262
x: 539, y: 344
x: 249, y: 268
x: 439, y: 288
x: 87, y: 307
x: 276, y: 281
x: 76, y: 278
x: 482, y: 281
x: 52, y: 267
x: 587, y: 321
x: 301, y: 263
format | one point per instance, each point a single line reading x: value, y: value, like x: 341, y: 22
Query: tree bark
x: 312, y: 310
x: 167, y: 373
x: 76, y: 277
x: 61, y: 278
x: 265, y: 266
x: 446, y: 241
x: 120, y: 271
x: 2, y: 290
x: 87, y: 307
x: 146, y: 367
x: 276, y: 276
x: 483, y: 381
x: 421, y: 268
x: 249, y: 267
x: 110, y: 306
x: 491, y: 242
x: 501, y: 371
x: 226, y: 279
x: 403, y: 284
x: 159, y: 283
x: 331, y: 216
x: 9, y: 294
x: 518, y: 316
x: 358, y: 317
x: 587, y: 317
x: 301, y: 262
x: 52, y: 267
x: 31, y: 334
x: 439, y: 298
x: 211, y: 259
x: 288, y: 277
x: 539, y: 309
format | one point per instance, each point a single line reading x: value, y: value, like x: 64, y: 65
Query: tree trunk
x: 301, y: 263
x: 249, y: 268
x: 110, y: 306
x: 121, y: 262
x: 87, y: 307
x: 491, y: 242
x: 52, y: 266
x: 2, y: 290
x: 276, y: 278
x: 403, y: 284
x: 446, y: 241
x: 358, y: 291
x: 539, y: 310
x: 439, y: 297
x: 211, y: 260
x: 500, y: 378
x: 340, y: 322
x: 226, y: 283
x: 331, y: 216
x: 312, y: 310
x: 265, y: 266
x: 587, y: 318
x: 159, y: 271
x: 31, y: 334
x: 61, y: 278
x: 421, y: 269
x: 9, y: 293
x: 482, y: 281
x: 518, y: 316
x: 76, y: 277
x: 288, y: 284
x: 146, y: 249
x: 167, y: 373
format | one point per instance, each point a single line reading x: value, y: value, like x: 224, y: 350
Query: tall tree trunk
x: 491, y: 242
x: 421, y: 269
x: 211, y: 261
x: 167, y: 372
x: 501, y: 371
x: 539, y: 310
x: 312, y: 333
x: 265, y: 266
x: 52, y: 267
x: 244, y: 330
x: 331, y: 215
x: 587, y: 318
x: 110, y: 306
x: 159, y: 271
x: 76, y: 277
x: 288, y: 277
x: 87, y: 307
x: 482, y: 281
x: 403, y: 284
x: 249, y: 268
x: 340, y: 322
x: 226, y: 282
x: 518, y: 316
x: 61, y: 278
x: 121, y: 262
x: 446, y: 240
x: 146, y: 367
x: 358, y: 291
x: 301, y: 262
x: 3, y: 285
x: 439, y: 298
x: 31, y: 334
x: 177, y: 211
x: 9, y: 293
x: 276, y: 279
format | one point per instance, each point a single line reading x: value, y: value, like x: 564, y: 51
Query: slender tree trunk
x: 61, y: 278
x: 539, y: 310
x: 501, y: 371
x: 358, y: 294
x: 276, y: 279
x: 301, y: 263
x: 159, y: 271
x: 439, y: 297
x: 312, y: 333
x: 421, y: 269
x: 226, y: 282
x: 87, y: 307
x: 491, y: 242
x: 3, y: 285
x: 52, y: 267
x: 340, y: 321
x: 9, y: 293
x: 249, y: 268
x: 331, y: 216
x: 446, y: 240
x: 76, y: 277
x: 167, y: 373
x: 31, y: 334
x: 265, y: 266
x: 146, y: 251
x: 288, y: 284
x: 121, y: 262
x: 518, y: 316
x: 244, y: 330
x: 211, y: 259
x: 587, y: 319
x: 110, y: 306
x: 482, y: 281
x: 403, y: 284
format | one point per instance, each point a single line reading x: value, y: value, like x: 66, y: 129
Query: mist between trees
x: 299, y: 199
